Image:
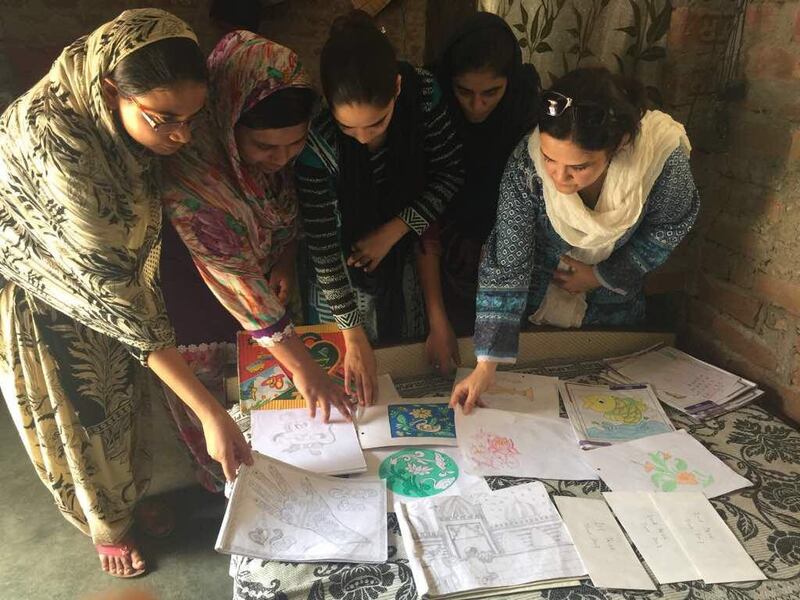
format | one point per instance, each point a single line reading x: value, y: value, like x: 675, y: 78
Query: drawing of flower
x: 501, y: 445
x: 686, y: 478
x: 648, y: 466
x: 420, y: 413
x: 417, y: 469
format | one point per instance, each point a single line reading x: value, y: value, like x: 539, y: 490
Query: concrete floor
x: 43, y: 556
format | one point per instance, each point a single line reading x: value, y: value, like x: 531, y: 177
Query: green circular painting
x: 418, y: 472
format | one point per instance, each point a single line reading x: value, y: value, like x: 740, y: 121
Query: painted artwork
x: 668, y: 472
x: 280, y: 512
x: 487, y: 449
x: 603, y: 415
x: 421, y: 420
x: 418, y: 472
x: 263, y: 382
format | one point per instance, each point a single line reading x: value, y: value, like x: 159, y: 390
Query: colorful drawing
x: 669, y: 472
x: 493, y: 451
x: 418, y: 472
x: 422, y: 420
x: 620, y: 409
x: 271, y: 383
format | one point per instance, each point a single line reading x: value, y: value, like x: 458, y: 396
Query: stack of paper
x: 480, y: 545
x: 686, y: 383
x: 602, y: 415
x: 293, y: 437
x: 279, y: 512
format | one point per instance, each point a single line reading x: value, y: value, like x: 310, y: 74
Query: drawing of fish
x: 621, y: 409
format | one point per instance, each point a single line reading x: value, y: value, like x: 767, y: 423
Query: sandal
x: 155, y: 518
x: 116, y: 550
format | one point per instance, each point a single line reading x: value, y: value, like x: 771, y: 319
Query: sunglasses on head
x: 589, y: 114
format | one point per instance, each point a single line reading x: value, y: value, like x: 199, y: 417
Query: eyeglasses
x: 589, y: 114
x: 165, y: 127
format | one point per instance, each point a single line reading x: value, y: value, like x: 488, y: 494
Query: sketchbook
x: 396, y: 421
x: 520, y: 392
x: 602, y: 415
x: 293, y: 437
x: 279, y: 512
x: 484, y: 544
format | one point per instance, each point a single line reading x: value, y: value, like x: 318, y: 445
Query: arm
x: 503, y: 280
x: 672, y: 209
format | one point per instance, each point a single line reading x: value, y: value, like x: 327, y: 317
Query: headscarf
x: 244, y: 69
x: 488, y: 145
x: 80, y: 210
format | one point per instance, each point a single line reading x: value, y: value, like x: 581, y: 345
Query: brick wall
x: 743, y: 288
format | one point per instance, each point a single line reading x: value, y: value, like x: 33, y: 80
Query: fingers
x: 472, y: 399
x: 370, y: 386
x: 228, y: 462
x: 312, y: 407
x: 348, y: 373
x: 360, y: 387
x: 458, y: 395
x: 326, y: 410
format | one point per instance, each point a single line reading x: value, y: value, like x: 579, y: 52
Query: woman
x: 80, y: 306
x: 232, y: 201
x: 381, y: 164
x: 596, y: 197
x: 494, y: 98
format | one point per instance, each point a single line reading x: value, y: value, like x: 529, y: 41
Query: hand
x: 369, y: 251
x: 282, y: 276
x: 467, y: 392
x: 317, y: 387
x: 578, y: 278
x: 360, y: 371
x: 441, y: 347
x: 225, y: 443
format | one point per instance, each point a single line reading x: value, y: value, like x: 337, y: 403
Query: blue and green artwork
x: 422, y: 420
x: 418, y: 472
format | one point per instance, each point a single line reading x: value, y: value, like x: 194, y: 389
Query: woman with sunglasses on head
x: 381, y: 163
x: 231, y: 198
x: 596, y: 197
x: 81, y: 312
x: 494, y: 100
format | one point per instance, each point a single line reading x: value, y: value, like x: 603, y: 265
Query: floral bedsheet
x: 765, y: 518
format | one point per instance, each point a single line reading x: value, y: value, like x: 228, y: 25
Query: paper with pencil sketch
x: 396, y: 421
x: 520, y: 392
x: 498, y: 442
x: 293, y: 437
x: 669, y: 462
x: 279, y: 512
x: 602, y: 545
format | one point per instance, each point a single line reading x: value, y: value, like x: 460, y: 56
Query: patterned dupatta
x: 80, y: 211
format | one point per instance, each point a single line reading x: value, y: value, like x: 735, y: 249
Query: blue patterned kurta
x: 523, y: 251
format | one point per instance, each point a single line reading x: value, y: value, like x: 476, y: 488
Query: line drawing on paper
x: 667, y: 472
x: 275, y: 540
x: 303, y: 434
x: 421, y: 420
x: 418, y: 472
x: 350, y: 500
x: 487, y: 449
x: 304, y: 508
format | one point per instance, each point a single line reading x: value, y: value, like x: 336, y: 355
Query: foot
x: 122, y: 559
x: 155, y: 518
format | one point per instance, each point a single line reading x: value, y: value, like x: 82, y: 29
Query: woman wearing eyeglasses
x: 81, y: 312
x: 599, y: 195
x: 231, y: 198
x: 381, y: 164
x: 494, y: 100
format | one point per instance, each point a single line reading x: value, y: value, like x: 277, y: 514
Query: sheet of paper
x: 706, y: 539
x: 413, y: 473
x: 485, y: 541
x: 669, y: 462
x: 293, y: 437
x: 396, y: 421
x: 280, y: 512
x: 602, y: 545
x: 652, y: 537
x: 604, y: 415
x: 498, y: 442
x: 521, y: 392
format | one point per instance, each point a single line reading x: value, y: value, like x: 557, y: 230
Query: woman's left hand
x: 282, y: 276
x: 369, y: 251
x: 578, y: 278
x: 225, y: 443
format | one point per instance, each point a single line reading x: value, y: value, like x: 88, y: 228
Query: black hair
x: 623, y: 100
x: 159, y: 65
x: 486, y: 49
x: 284, y: 108
x: 358, y: 64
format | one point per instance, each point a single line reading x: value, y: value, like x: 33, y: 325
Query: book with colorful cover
x: 264, y: 384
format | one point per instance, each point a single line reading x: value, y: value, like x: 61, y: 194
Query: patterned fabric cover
x: 764, y: 517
